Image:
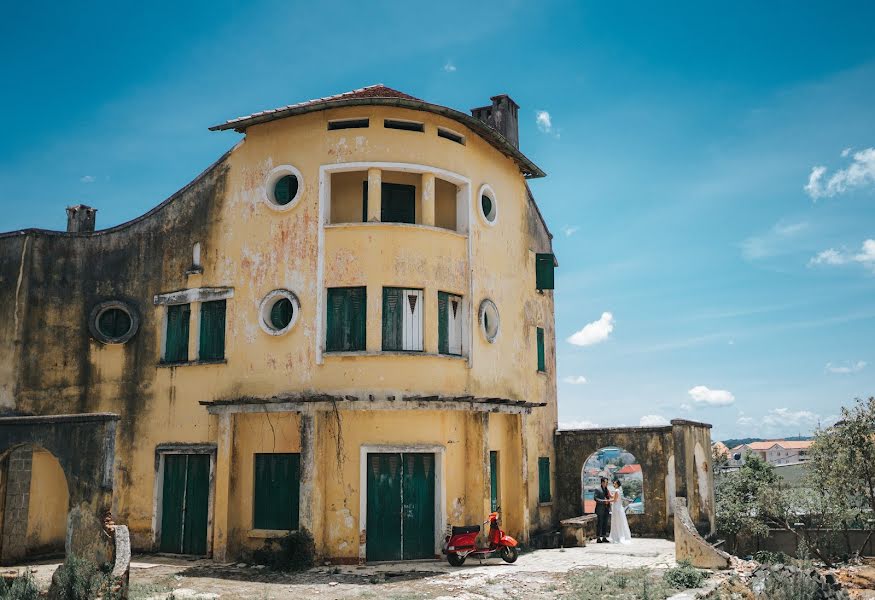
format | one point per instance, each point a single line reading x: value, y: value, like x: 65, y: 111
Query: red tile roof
x: 629, y: 469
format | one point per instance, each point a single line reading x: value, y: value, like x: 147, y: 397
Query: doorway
x: 400, y: 505
x: 185, y: 503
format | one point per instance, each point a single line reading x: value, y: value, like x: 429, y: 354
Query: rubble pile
x: 794, y: 582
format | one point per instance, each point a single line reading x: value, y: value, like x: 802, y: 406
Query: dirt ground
x: 535, y: 575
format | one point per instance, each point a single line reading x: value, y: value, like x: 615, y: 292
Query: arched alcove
x: 614, y: 463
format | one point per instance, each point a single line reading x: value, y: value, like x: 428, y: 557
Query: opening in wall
x: 403, y: 125
x: 348, y: 124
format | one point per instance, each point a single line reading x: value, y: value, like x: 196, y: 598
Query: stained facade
x: 345, y: 320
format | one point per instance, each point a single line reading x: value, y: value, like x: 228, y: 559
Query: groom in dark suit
x: 602, y: 510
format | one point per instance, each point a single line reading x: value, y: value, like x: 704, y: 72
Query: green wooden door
x: 185, y: 504
x: 400, y: 512
x: 493, y: 480
x: 384, y: 507
x: 418, y: 506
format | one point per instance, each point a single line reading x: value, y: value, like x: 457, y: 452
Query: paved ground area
x: 538, y: 574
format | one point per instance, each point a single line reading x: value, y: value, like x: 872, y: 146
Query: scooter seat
x: 466, y: 529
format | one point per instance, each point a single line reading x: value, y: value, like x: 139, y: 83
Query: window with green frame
x: 544, y: 479
x: 542, y: 363
x: 345, y: 329
x: 176, y: 336
x: 397, y: 203
x: 212, y: 330
x: 544, y: 267
x: 277, y: 491
x: 494, y: 491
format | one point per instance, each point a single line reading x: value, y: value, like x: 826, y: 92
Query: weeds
x: 684, y: 576
x: 617, y: 584
x: 294, y: 552
x: 22, y: 587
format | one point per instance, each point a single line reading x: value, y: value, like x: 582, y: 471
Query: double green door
x: 185, y: 504
x: 400, y: 511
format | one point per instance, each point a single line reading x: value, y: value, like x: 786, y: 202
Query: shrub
x: 684, y: 576
x: 80, y: 579
x: 798, y: 585
x: 22, y: 587
x: 771, y: 558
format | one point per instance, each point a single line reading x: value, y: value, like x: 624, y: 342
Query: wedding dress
x: 620, y: 533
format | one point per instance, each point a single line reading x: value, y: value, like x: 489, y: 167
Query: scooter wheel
x: 455, y: 560
x: 509, y: 554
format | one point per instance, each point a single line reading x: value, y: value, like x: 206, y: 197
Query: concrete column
x: 375, y: 194
x: 224, y: 460
x: 430, y: 326
x: 374, y: 313
x: 194, y: 331
x: 524, y: 467
x: 477, y: 499
x: 18, y: 474
x: 311, y: 501
x: 428, y: 199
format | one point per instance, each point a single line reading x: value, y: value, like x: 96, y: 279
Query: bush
x: 294, y: 552
x: 80, y: 579
x: 771, y: 558
x: 799, y: 585
x: 684, y: 576
x: 22, y: 587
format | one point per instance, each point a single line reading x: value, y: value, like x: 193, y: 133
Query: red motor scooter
x: 462, y: 543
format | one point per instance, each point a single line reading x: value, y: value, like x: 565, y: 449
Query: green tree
x: 738, y: 495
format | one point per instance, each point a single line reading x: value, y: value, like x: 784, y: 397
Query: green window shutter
x: 544, y: 479
x: 281, y: 313
x: 542, y: 365
x: 212, y: 340
x: 346, y: 319
x: 176, y: 345
x: 544, y: 271
x: 392, y: 318
x: 443, y: 323
x: 277, y: 491
x: 364, y: 201
x: 493, y: 480
x: 398, y: 203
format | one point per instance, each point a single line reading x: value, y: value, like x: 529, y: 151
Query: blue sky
x: 680, y: 141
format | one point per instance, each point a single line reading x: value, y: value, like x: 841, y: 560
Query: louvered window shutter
x: 392, y: 318
x: 412, y: 322
x: 176, y: 343
x: 542, y: 363
x: 443, y: 323
x: 212, y: 330
x: 346, y: 319
x: 544, y: 271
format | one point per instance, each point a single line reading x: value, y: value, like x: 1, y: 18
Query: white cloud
x: 745, y: 421
x: 595, y: 332
x: 704, y: 395
x: 449, y: 67
x: 570, y: 230
x: 575, y: 379
x: 859, y: 173
x: 545, y: 123
x: 846, y: 152
x: 847, y: 368
x: 831, y: 256
x: 87, y: 179
x: 578, y: 425
x: 784, y: 416
x: 772, y: 242
x: 686, y: 407
x: 653, y: 421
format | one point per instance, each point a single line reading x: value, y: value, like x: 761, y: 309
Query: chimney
x: 80, y: 219
x: 502, y: 117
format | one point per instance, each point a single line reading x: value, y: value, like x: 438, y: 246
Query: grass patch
x: 618, y: 584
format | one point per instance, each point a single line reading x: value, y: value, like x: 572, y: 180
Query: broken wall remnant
x: 84, y: 446
x: 670, y: 463
x: 691, y: 546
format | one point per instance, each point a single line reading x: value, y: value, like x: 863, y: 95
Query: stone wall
x: 675, y: 461
x: 18, y: 472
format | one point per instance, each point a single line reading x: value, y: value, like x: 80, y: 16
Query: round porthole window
x: 490, y: 323
x: 488, y: 207
x: 279, y: 311
x: 113, y: 322
x: 282, y: 188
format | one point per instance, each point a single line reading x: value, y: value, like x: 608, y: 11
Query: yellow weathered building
x: 347, y: 318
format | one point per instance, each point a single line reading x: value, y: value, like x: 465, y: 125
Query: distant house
x: 774, y: 452
x: 630, y: 472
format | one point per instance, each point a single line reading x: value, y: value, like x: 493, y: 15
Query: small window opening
x: 403, y: 125
x: 348, y: 124
x: 449, y: 135
x: 279, y: 311
x: 114, y: 323
x: 196, y: 255
x: 285, y: 189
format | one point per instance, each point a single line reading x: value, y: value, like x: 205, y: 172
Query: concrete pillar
x: 15, y: 514
x: 428, y: 199
x: 524, y: 467
x: 375, y: 194
x: 224, y: 460
x: 194, y: 331
x: 430, y: 326
x: 477, y: 501
x: 311, y: 504
x: 374, y: 313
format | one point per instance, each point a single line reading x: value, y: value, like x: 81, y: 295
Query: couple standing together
x: 609, y: 502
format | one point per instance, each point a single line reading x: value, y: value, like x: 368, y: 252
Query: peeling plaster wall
x: 49, y: 364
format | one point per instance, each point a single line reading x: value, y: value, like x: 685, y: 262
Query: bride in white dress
x: 620, y: 533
